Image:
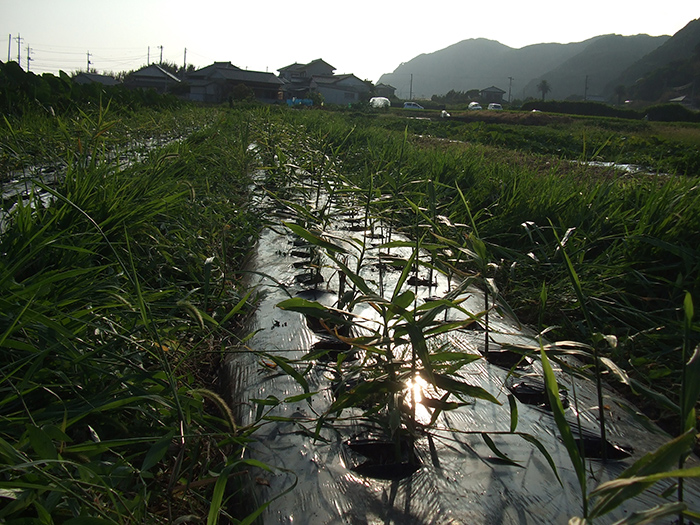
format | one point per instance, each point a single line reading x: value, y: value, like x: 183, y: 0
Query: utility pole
x: 184, y: 63
x: 19, y: 47
x: 29, y: 52
x: 161, y: 54
x: 9, y: 47
x: 585, y: 90
x: 410, y: 89
x: 148, y: 56
x: 510, y: 85
x: 88, y: 61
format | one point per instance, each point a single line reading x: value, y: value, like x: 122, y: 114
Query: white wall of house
x: 345, y: 91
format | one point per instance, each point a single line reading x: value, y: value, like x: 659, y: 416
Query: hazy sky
x: 363, y: 37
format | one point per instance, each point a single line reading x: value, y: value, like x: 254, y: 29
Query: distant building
x: 300, y: 72
x: 152, y: 77
x: 341, y: 89
x: 301, y: 80
x: 94, y: 78
x: 217, y: 82
x: 492, y: 94
x: 385, y: 90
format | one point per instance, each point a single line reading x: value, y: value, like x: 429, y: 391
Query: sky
x: 367, y: 38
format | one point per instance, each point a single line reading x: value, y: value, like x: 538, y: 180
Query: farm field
x: 126, y: 290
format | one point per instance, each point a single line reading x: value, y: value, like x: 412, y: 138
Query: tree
x: 544, y: 88
x: 170, y: 67
x: 241, y: 93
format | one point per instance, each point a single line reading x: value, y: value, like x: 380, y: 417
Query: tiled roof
x: 94, y: 77
x: 227, y: 71
x: 216, y: 66
x: 155, y: 71
x: 296, y: 66
x: 492, y: 89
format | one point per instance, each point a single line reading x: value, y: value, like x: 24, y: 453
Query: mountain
x: 671, y: 64
x: 480, y: 63
x: 590, y: 73
x: 476, y: 64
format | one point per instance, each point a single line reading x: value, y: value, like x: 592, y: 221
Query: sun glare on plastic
x: 416, y: 393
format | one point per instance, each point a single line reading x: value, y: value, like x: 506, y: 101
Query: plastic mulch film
x: 466, y: 466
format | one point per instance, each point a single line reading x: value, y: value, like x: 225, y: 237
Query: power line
x: 19, y: 40
x: 49, y: 58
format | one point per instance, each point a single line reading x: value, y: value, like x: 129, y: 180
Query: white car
x: 412, y: 105
x: 474, y: 106
x: 495, y: 106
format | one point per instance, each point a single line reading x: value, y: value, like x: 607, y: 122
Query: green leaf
x: 268, y: 401
x: 284, y: 365
x: 513, y: 412
x: 408, y: 266
x: 653, y: 514
x: 314, y: 239
x: 42, y: 443
x: 8, y: 453
x: 85, y: 520
x: 218, y: 495
x: 563, y: 425
x: 300, y: 397
x: 644, y: 473
x: 453, y: 385
x: 313, y: 309
x: 236, y: 308
x: 450, y: 357
x: 402, y: 301
x: 692, y: 388
x: 487, y: 439
x: 157, y: 451
x: 531, y: 439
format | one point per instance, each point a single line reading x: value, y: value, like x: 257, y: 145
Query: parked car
x: 474, y: 106
x: 495, y: 106
x: 412, y: 105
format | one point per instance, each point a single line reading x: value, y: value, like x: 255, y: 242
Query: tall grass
x: 633, y: 240
x: 117, y: 300
x: 615, y: 280
x: 117, y: 297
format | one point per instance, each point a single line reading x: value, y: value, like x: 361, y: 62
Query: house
x: 94, y: 78
x: 492, y: 94
x: 300, y: 80
x: 217, y: 82
x: 385, y: 90
x: 340, y: 89
x: 300, y: 72
x: 152, y: 77
x: 297, y: 77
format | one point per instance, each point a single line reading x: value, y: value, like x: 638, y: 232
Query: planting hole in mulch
x: 302, y: 254
x: 309, y: 278
x: 592, y: 447
x: 420, y: 281
x: 506, y: 358
x: 382, y: 459
x: 330, y: 348
x: 531, y: 391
